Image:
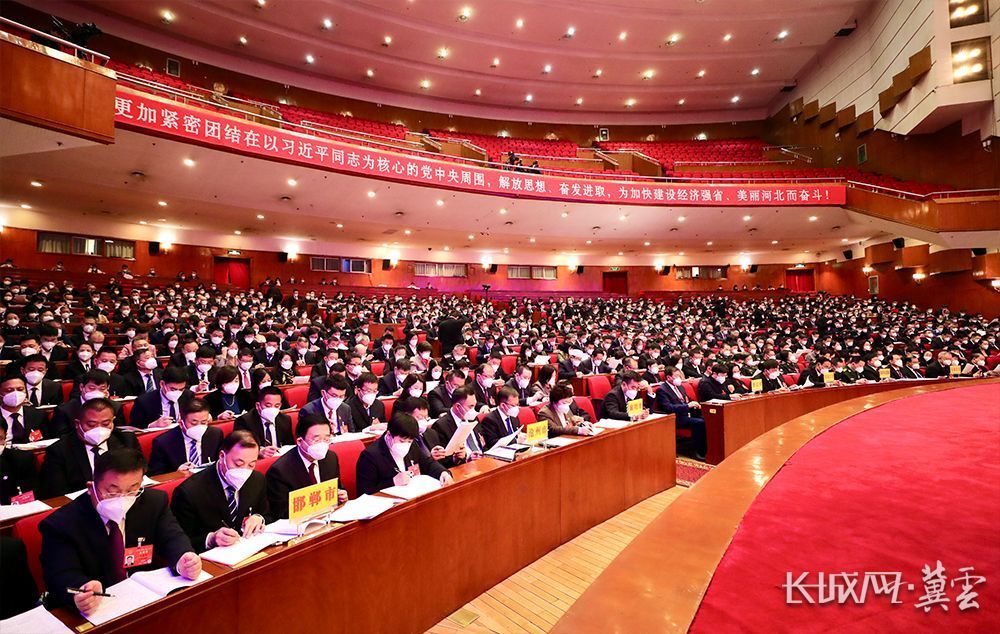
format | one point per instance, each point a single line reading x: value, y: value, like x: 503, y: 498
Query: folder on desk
x: 363, y: 508
x: 506, y: 449
x: 244, y: 549
x: 417, y: 486
x: 139, y: 590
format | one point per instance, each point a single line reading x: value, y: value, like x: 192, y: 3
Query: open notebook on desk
x: 245, y: 548
x: 36, y: 621
x: 140, y: 590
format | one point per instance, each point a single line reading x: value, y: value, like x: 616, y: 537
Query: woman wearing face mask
x: 284, y: 368
x: 228, y: 400
x: 546, y: 381
x: 82, y: 364
x: 413, y: 386
x: 560, y: 416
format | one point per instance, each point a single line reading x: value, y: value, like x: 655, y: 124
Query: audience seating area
x: 497, y: 147
x: 669, y: 152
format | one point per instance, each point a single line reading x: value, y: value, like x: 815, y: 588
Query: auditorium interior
x: 471, y: 317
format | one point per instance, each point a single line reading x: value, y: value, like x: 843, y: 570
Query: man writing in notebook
x: 89, y: 544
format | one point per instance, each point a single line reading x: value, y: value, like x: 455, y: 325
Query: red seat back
x: 598, y: 386
x: 226, y: 427
x: 127, y: 410
x: 296, y: 395
x: 790, y: 379
x: 265, y: 463
x: 691, y: 389
x: 146, y: 441
x: 584, y: 403
x: 26, y: 529
x: 347, y: 455
x: 527, y: 416
x: 303, y: 370
x: 378, y: 368
x: 388, y: 402
x: 168, y: 487
x: 508, y: 363
x: 67, y: 387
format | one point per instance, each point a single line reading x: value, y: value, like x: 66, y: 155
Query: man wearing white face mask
x: 615, y: 404
x: 217, y: 506
x: 84, y: 543
x: 394, y: 458
x: 93, y: 384
x: 312, y: 462
x: 193, y: 442
x: 463, y: 409
x: 69, y: 462
x: 160, y: 408
x: 270, y: 428
x: 502, y: 421
x: 366, y: 409
x: 332, y: 405
x: 22, y: 421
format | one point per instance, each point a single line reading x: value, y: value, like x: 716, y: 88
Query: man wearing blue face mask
x: 218, y: 505
x: 85, y: 543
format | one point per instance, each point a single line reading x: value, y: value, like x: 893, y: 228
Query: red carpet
x: 892, y: 489
x: 690, y: 471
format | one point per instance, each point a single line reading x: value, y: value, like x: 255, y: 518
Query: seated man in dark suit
x: 615, y: 404
x: 366, y: 410
x: 439, y: 398
x: 17, y: 586
x: 192, y: 443
x: 106, y: 359
x: 226, y: 501
x: 575, y: 365
x: 83, y: 545
x: 270, y: 428
x: 671, y: 399
x: 18, y: 471
x: 93, y: 384
x: 503, y: 420
x: 713, y: 386
x: 160, y: 408
x: 201, y: 375
x: 520, y: 381
x: 391, y: 383
x: 267, y: 356
x: 332, y: 406
x: 427, y: 440
x: 872, y: 367
x: 41, y: 390
x: 147, y: 374
x: 463, y: 409
x: 22, y: 421
x: 311, y: 462
x: 770, y: 377
x: 394, y: 459
x: 323, y: 367
x: 485, y: 387
x: 69, y: 462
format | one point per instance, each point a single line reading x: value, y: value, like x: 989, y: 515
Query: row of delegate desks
x: 732, y: 424
x: 412, y: 566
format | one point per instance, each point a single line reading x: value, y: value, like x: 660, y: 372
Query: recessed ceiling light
x: 630, y: 102
x: 681, y: 218
x: 407, y: 232
x: 727, y: 37
x: 598, y: 73
x: 340, y: 225
x: 623, y: 217
x: 529, y: 97
x: 674, y: 38
x: 370, y: 72
x: 621, y: 253
x: 755, y: 72
x: 813, y: 218
x: 464, y: 14
x: 590, y: 241
x: 701, y: 73
x: 443, y: 53
x: 680, y: 102
x: 506, y: 250
x: 646, y: 243
x: 531, y: 240
x: 547, y: 69
x: 782, y: 35
x: 680, y: 253
x: 425, y: 84
x: 495, y: 62
x: 709, y: 243
x: 238, y: 232
x: 447, y: 248
x: 478, y: 92
x: 261, y: 3
x: 387, y: 40
x: 503, y: 211
x: 161, y: 220
x: 440, y: 203
x: 242, y: 40
x: 371, y: 194
x: 746, y: 218
x: 579, y: 101
x: 774, y: 242
x: 565, y: 214
x: 649, y: 73
x: 519, y: 23
x: 327, y: 24
x: 571, y: 31
x: 844, y: 240
x: 622, y: 36
x: 167, y: 16
x: 735, y: 99
x: 142, y: 222
x: 310, y: 59
x: 25, y: 206
x: 472, y: 237
x: 161, y: 203
x: 292, y: 182
x: 36, y: 183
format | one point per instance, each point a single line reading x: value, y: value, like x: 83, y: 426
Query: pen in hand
x: 82, y: 591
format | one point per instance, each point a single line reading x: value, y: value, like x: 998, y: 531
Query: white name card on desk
x: 363, y: 508
x: 244, y: 549
x: 14, y: 511
x: 140, y: 590
x: 36, y: 621
x: 416, y: 487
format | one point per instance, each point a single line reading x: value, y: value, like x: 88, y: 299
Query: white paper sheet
x: 562, y: 441
x: 363, y: 508
x: 610, y: 423
x: 356, y: 435
x: 417, y: 486
x: 139, y: 590
x: 458, y: 438
x: 36, y: 621
x: 13, y: 511
x: 38, y: 444
x: 245, y: 548
x: 76, y: 494
x: 164, y: 581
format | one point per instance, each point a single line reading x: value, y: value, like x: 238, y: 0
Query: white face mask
x: 48, y: 345
x: 436, y: 374
x: 189, y: 356
x: 264, y: 384
x: 195, y: 432
x: 173, y: 395
x: 270, y: 349
x: 246, y: 365
x: 416, y: 392
x: 562, y: 408
x: 231, y: 387
x: 231, y: 352
x: 34, y: 377
x: 237, y: 476
x: 269, y: 413
x: 216, y: 340
x: 203, y: 368
x: 676, y: 382
x: 720, y: 379
x: 96, y: 436
x: 115, y: 509
x: 318, y: 450
x: 631, y: 394
x: 27, y: 352
x: 513, y: 411
x: 400, y: 448
x: 286, y: 364
x: 470, y: 415
x: 85, y: 356
x: 333, y: 402
x: 368, y: 398
x: 522, y: 383
x: 92, y: 394
x: 107, y: 366
x: 14, y: 399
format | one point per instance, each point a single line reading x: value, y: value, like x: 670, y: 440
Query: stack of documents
x: 244, y: 549
x: 416, y: 487
x: 363, y: 508
x: 140, y: 590
x: 37, y: 621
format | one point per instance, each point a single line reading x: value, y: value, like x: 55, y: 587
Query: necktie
x: 193, y: 452
x: 173, y: 411
x: 246, y: 380
x: 34, y: 397
x: 473, y: 443
x: 506, y: 423
x: 16, y: 428
x: 268, y: 438
x: 234, y: 511
x: 96, y: 451
x: 116, y: 547
x: 149, y: 382
x: 314, y: 472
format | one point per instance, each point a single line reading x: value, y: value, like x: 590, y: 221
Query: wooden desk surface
x: 410, y: 567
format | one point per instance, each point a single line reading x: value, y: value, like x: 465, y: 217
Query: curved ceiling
x: 581, y: 61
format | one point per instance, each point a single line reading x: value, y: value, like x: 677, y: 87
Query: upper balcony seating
x: 497, y: 147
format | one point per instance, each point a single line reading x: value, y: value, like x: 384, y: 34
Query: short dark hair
x: 720, y: 368
x: 226, y: 374
x: 404, y: 364
x: 205, y: 352
x: 366, y: 377
x: 121, y: 460
x: 34, y: 358
x: 193, y: 406
x: 403, y: 425
x: 95, y: 405
x: 629, y: 375
x: 461, y: 394
x: 270, y: 390
x: 336, y: 382
x: 174, y: 374
x: 240, y: 437
x: 559, y: 392
x: 409, y: 405
x: 506, y: 392
x: 310, y: 420
x: 95, y: 376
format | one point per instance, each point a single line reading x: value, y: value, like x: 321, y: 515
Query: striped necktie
x: 193, y: 453
x: 234, y: 511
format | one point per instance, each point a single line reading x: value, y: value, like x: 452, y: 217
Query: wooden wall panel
x: 880, y: 253
x: 827, y: 113
x: 949, y: 261
x: 913, y: 257
x: 846, y: 117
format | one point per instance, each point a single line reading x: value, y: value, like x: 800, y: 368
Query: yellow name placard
x: 883, y: 373
x: 312, y: 500
x: 829, y: 377
x: 954, y: 369
x: 537, y: 432
x: 756, y: 385
x: 634, y: 407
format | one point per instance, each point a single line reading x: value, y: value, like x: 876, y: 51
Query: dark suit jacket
x: 200, y: 505
x: 193, y: 375
x: 136, y: 385
x: 75, y: 542
x: 52, y: 393
x: 493, y: 429
x: 252, y: 423
x: 387, y: 385
x: 214, y: 400
x: 522, y: 395
x: 615, y: 405
x: 288, y: 473
x: 361, y: 417
x: 847, y: 376
x: 64, y: 418
x: 567, y: 371
x: 446, y: 426
x: 170, y: 451
x: 18, y: 473
x: 692, y: 372
x: 376, y: 468
x: 74, y: 369
x: 344, y: 415
x: 264, y: 359
x: 910, y: 373
x: 66, y: 467
x: 871, y: 373
x: 669, y: 402
x: 709, y: 388
x: 117, y: 387
x: 438, y: 400
x: 935, y: 370
x: 17, y: 586
x: 148, y: 408
x: 31, y: 419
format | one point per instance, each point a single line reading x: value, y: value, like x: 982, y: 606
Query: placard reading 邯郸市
x: 160, y: 116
